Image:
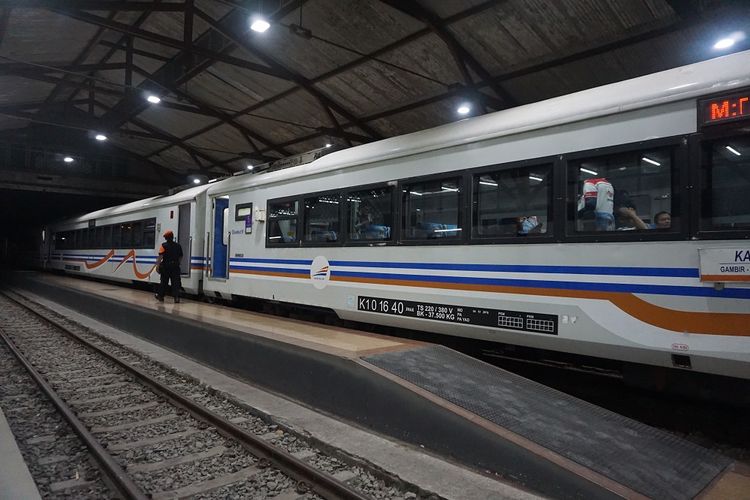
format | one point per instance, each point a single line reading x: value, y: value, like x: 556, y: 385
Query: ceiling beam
x: 100, y: 5
x: 477, y: 9
x: 19, y: 67
x: 206, y: 109
x: 55, y: 80
x: 462, y: 57
x: 80, y: 58
x: 197, y: 48
x: 234, y: 27
x: 137, y: 52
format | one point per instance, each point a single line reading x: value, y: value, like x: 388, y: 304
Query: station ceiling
x: 339, y: 71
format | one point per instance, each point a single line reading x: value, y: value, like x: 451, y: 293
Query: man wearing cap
x: 168, y: 264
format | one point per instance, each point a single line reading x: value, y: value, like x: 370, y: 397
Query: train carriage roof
x: 687, y: 82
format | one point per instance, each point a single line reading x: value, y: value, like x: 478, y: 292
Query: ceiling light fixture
x: 535, y: 178
x: 732, y: 150
x: 586, y: 170
x: 196, y: 181
x: 100, y: 137
x: 488, y: 183
x: 729, y: 40
x: 464, y: 109
x: 259, y: 25
x: 250, y: 167
x: 652, y: 162
x: 153, y: 99
x: 68, y: 159
x: 724, y: 43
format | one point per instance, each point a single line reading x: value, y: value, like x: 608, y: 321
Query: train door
x: 184, y: 238
x: 220, y: 254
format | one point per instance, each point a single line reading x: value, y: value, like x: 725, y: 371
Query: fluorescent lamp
x: 452, y: 190
x: 535, y: 178
x: 652, y: 162
x: 100, y: 137
x: 588, y: 171
x: 153, y: 99
x: 463, y: 109
x: 68, y: 159
x: 415, y: 193
x: 732, y: 150
x: 446, y: 230
x: 260, y: 25
x: 210, y: 180
x: 487, y: 183
x: 724, y: 43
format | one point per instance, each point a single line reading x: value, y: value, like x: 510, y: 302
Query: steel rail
x: 307, y: 476
x: 119, y: 478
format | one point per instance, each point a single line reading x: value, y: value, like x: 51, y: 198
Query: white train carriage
x: 483, y: 228
x: 480, y: 228
x: 121, y: 243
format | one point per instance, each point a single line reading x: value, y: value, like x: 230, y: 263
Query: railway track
x: 154, y: 433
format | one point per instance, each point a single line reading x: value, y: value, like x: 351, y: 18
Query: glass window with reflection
x: 514, y: 202
x: 432, y: 209
x: 725, y: 184
x: 622, y: 192
x: 370, y: 214
x: 282, y: 222
x: 322, y: 218
x: 149, y: 233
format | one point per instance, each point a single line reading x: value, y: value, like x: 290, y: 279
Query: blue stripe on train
x: 737, y: 293
x: 624, y: 271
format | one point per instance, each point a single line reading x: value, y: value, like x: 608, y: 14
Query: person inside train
x: 596, y: 205
x: 662, y: 220
x: 168, y: 266
x: 626, y: 214
x: 528, y: 225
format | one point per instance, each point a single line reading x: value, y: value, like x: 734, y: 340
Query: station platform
x: 16, y: 482
x: 454, y: 406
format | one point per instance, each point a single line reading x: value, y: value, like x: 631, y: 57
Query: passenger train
x: 612, y: 222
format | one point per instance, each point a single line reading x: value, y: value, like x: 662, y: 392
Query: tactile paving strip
x: 645, y: 459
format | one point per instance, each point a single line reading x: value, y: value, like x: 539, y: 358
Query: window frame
x: 679, y: 186
x: 461, y: 175
x: 552, y: 229
x: 303, y: 218
x: 297, y: 241
x: 395, y: 215
x: 710, y: 133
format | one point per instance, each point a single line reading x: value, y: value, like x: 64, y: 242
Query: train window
x: 116, y: 235
x: 512, y: 202
x: 149, y: 233
x: 282, y: 222
x: 98, y: 236
x: 370, y: 214
x: 138, y: 234
x: 107, y: 237
x: 126, y: 235
x: 84, y: 238
x: 431, y: 209
x: 725, y: 183
x: 622, y: 192
x: 322, y: 217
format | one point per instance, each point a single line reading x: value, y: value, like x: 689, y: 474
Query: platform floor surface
x: 653, y: 462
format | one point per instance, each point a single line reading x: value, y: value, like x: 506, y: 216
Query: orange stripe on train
x: 704, y: 323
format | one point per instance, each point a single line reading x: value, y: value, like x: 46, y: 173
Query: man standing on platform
x: 168, y: 265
